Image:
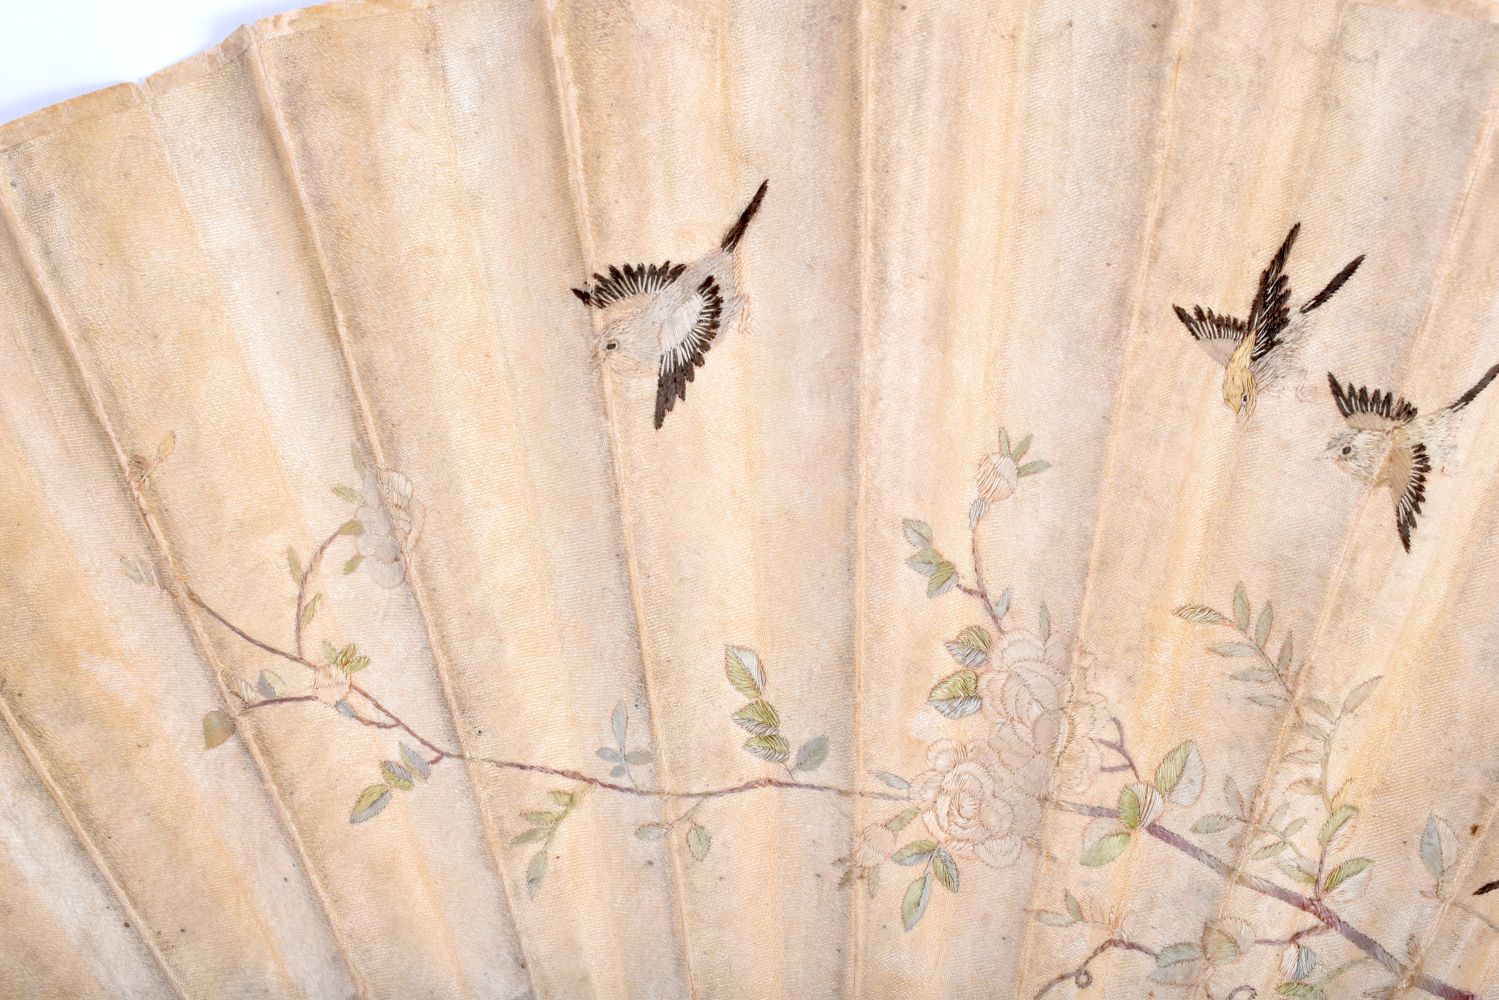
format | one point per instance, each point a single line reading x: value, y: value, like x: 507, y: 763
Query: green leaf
x: 1045, y: 623
x: 759, y: 718
x: 971, y: 647
x: 1296, y: 873
x: 1200, y: 613
x: 356, y: 664
x: 899, y: 821
x: 1004, y: 443
x: 1212, y: 823
x: 812, y: 754
x: 1051, y: 919
x: 945, y: 868
x: 976, y: 511
x: 358, y: 458
x: 217, y: 727
x: 1180, y: 775
x: 547, y: 819
x: 1021, y: 448
x: 925, y: 561
x: 619, y: 721
x: 1360, y: 694
x: 1002, y: 606
x: 353, y: 563
x: 562, y: 797
x: 742, y: 666
x: 699, y: 840
x: 351, y: 527
x: 346, y: 493
x: 1129, y: 808
x: 956, y: 695
x: 637, y: 757
x: 396, y: 776
x: 943, y: 579
x: 535, y: 872
x: 531, y: 836
x: 1033, y: 468
x: 1335, y: 822
x: 772, y: 748
x: 1105, y: 849
x: 1344, y: 872
x: 1241, y: 607
x: 309, y: 611
x: 893, y: 780
x: 294, y: 565
x: 914, y: 905
x: 416, y: 763
x: 1230, y: 649
x: 1185, y: 951
x: 918, y: 533
x: 1074, y: 908
x: 370, y: 802
x: 914, y: 853
x: 1439, y: 846
x: 650, y: 831
x: 1283, y: 661
x: 1263, y: 625
x: 270, y: 684
x: 1309, y: 990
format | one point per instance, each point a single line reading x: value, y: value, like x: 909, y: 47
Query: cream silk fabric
x: 229, y: 648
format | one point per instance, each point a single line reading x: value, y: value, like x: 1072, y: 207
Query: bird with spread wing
x: 669, y: 315
x: 1257, y: 353
x: 1388, y: 444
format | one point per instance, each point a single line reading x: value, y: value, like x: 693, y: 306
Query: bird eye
x: 611, y: 345
x: 1348, y: 449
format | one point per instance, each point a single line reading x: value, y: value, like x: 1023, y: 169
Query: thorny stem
x: 440, y: 754
x: 1316, y: 908
x: 1081, y: 976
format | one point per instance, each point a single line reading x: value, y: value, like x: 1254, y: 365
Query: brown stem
x: 312, y: 565
x: 1081, y: 976
x: 980, y: 589
x: 1118, y: 746
x: 1314, y: 907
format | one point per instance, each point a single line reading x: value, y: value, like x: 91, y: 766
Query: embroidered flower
x: 330, y: 685
x: 876, y: 843
x: 998, y: 473
x: 1045, y: 723
x: 966, y: 803
x: 392, y: 519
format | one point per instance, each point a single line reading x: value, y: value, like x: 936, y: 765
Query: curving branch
x: 979, y: 589
x: 1082, y: 976
x: 1315, y: 907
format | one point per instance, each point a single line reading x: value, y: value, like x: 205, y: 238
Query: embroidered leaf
x: 1021, y: 448
x: 1051, y: 919
x: 1002, y: 606
x: 773, y: 748
x: 914, y: 905
x: 167, y: 446
x: 699, y: 840
x: 1045, y: 623
x: 1263, y: 625
x: 926, y: 561
x: 943, y: 579
x: 547, y: 819
x: 1296, y: 873
x: 945, y: 869
x: 1348, y: 869
x: 914, y: 853
x: 918, y: 533
x: 1219, y: 946
x: 1283, y: 661
x: 1231, y: 793
x: 1360, y: 694
x: 812, y: 754
x: 1241, y: 607
x: 342, y: 707
x: 956, y: 695
x: 1439, y: 846
x: 270, y: 685
x: 1309, y: 990
x: 744, y: 671
x: 294, y: 565
x: 1033, y: 468
x: 1200, y: 613
x: 1229, y: 649
x: 358, y: 458
x: 1139, y: 805
x: 1186, y: 951
x: 639, y: 757
x: 346, y: 493
x: 416, y: 763
x: 1074, y: 909
x: 370, y: 802
x: 309, y: 611
x: 353, y: 563
x: 976, y: 510
x: 396, y: 776
x: 1339, y: 818
x: 562, y: 798
x: 619, y: 720
x: 971, y: 647
x: 650, y: 831
x: 531, y: 836
x: 759, y: 718
x: 1103, y: 842
x: 1179, y: 776
x: 351, y: 527
x: 217, y: 727
x: 898, y: 822
x: 611, y: 755
x: 535, y: 872
x: 893, y: 780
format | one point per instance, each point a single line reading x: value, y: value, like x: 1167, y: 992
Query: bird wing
x: 1270, y: 312
x: 1218, y: 335
x: 1408, y: 466
x: 686, y: 335
x: 623, y: 282
x: 1364, y: 410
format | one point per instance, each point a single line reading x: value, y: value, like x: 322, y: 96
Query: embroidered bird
x: 669, y: 315
x: 1388, y: 444
x: 1259, y: 352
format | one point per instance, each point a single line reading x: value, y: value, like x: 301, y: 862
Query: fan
x: 385, y: 614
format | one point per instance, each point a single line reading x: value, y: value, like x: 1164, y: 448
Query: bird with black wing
x: 1257, y: 353
x: 1388, y: 444
x: 669, y: 315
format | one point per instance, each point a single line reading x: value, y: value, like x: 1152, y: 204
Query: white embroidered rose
x: 965, y: 802
x: 998, y: 473
x: 392, y: 519
x: 1046, y: 723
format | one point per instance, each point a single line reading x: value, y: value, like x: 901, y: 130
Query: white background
x: 51, y: 50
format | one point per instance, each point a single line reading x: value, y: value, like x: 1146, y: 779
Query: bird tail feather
x: 736, y: 232
x: 1333, y: 285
